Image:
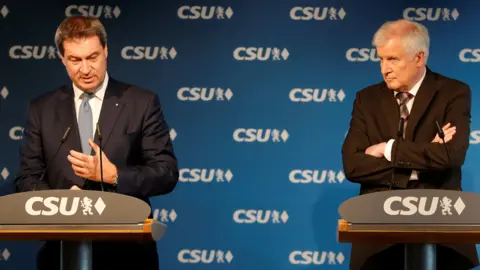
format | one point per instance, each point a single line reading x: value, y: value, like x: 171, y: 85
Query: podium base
x: 420, y: 257
x: 76, y: 255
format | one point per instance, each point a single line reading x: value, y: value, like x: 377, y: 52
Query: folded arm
x: 159, y: 174
x: 433, y: 156
x: 358, y: 166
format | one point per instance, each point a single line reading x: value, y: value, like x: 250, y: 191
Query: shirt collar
x: 415, y: 88
x: 98, y: 93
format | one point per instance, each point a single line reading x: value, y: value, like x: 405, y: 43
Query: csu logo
x: 260, y: 216
x: 362, y: 55
x: 148, y: 53
x: 317, y: 13
x: 204, y: 12
x: 205, y: 175
x: 260, y: 53
x: 4, y: 254
x: 260, y: 135
x: 94, y: 11
x: 315, y: 176
x: 4, y: 11
x: 204, y: 94
x: 204, y: 256
x: 475, y: 137
x: 50, y: 206
x: 316, y: 257
x: 4, y: 92
x: 4, y: 173
x: 173, y: 134
x: 35, y: 52
x: 424, y: 206
x: 430, y: 14
x: 316, y: 95
x: 469, y: 55
x: 164, y: 215
x: 16, y: 133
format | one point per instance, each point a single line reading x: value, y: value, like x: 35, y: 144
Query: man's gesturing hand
x: 87, y: 166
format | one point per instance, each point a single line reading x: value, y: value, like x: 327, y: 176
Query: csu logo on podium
x: 411, y: 205
x: 50, y: 206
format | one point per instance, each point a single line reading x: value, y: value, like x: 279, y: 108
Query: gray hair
x: 414, y: 35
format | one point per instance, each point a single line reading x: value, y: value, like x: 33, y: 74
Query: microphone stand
x: 99, y: 134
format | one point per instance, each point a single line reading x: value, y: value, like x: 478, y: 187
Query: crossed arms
x: 365, y: 163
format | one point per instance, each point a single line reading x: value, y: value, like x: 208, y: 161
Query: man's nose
x: 385, y: 67
x: 85, y: 67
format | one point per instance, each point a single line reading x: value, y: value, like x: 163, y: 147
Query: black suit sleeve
x: 159, y: 174
x: 32, y: 161
x: 433, y: 156
x: 358, y: 166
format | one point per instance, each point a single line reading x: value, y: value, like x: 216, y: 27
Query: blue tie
x: 85, y: 123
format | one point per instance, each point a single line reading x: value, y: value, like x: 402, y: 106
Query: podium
x: 76, y: 218
x: 419, y: 219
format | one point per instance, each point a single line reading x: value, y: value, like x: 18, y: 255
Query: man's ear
x: 420, y: 59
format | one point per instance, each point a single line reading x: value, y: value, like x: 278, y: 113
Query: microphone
x: 399, y: 138
x: 442, y: 136
x: 64, y: 138
x: 99, y: 135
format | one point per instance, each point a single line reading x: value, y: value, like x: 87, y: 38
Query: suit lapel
x: 67, y: 117
x: 420, y: 104
x: 390, y: 110
x: 111, y: 108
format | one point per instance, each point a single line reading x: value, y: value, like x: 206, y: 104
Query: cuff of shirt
x: 388, y: 150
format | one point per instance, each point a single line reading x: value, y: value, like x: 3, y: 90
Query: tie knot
x: 86, y: 96
x: 403, y: 97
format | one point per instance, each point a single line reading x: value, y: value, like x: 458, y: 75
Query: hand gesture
x: 87, y: 166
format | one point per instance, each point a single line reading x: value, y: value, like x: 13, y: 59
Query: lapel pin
x: 116, y: 104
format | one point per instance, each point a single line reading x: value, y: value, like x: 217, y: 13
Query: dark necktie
x: 403, y: 98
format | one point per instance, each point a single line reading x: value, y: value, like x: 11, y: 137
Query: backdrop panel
x: 258, y: 97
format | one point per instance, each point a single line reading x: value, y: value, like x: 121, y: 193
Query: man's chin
x: 87, y: 87
x: 392, y: 85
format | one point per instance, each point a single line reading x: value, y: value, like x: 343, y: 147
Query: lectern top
x: 72, y: 207
x: 416, y: 206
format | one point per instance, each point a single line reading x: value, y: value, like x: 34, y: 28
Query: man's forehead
x: 391, y: 47
x: 82, y: 41
x: 82, y: 53
x: 82, y: 50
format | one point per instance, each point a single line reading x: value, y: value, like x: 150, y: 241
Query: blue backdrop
x: 258, y: 96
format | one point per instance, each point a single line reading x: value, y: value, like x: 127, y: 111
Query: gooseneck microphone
x: 64, y: 138
x: 442, y: 136
x: 99, y: 135
x: 394, y: 157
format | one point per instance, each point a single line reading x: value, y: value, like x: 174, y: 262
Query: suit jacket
x: 375, y: 119
x: 135, y: 138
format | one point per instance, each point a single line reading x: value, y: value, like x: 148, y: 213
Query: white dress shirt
x: 95, y: 102
x: 388, y: 147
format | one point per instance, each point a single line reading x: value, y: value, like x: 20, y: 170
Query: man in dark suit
x: 138, y: 157
x: 412, y: 91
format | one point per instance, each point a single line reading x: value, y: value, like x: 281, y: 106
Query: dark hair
x: 79, y: 27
